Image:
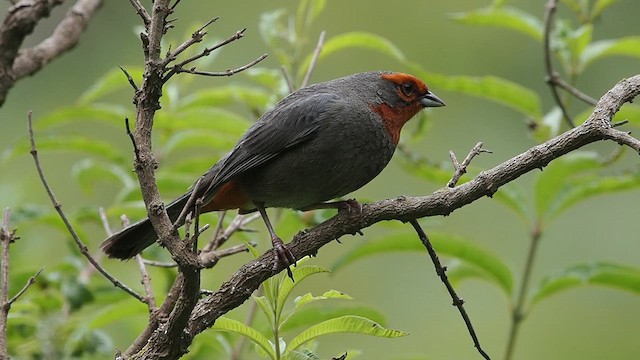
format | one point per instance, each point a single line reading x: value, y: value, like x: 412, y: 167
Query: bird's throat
x: 395, y: 117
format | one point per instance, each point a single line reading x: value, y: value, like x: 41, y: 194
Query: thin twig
x: 144, y: 15
x: 287, y: 79
x: 88, y: 270
x: 314, y: 59
x: 461, y: 169
x: 228, y: 72
x: 179, y: 66
x: 6, y: 237
x: 236, y: 225
x: 30, y: 281
x: 187, y: 206
x: 550, y: 9
x: 557, y: 80
x: 517, y: 313
x: 150, y: 299
x: 220, y: 224
x: 136, y: 151
x: 129, y: 79
x: 210, y: 259
x: 442, y: 273
x: 81, y: 246
x: 196, y: 37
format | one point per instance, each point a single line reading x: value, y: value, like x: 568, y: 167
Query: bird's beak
x: 431, y: 100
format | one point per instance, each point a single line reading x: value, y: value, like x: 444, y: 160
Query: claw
x: 284, y: 255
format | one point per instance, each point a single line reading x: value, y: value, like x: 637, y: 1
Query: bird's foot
x: 351, y: 206
x: 284, y: 256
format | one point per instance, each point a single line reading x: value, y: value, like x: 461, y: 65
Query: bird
x: 317, y: 144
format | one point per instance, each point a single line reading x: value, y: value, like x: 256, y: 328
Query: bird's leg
x: 352, y: 206
x: 285, y: 256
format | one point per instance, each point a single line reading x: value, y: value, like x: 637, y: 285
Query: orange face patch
x: 401, y: 78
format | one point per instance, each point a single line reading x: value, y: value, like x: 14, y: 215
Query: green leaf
x: 599, y: 7
x: 234, y: 326
x: 188, y: 139
x: 582, y: 188
x: 578, y: 42
x: 304, y: 354
x: 116, y: 311
x: 345, y: 324
x: 307, y: 298
x: 220, y: 96
x: 626, y: 46
x: 439, y: 173
x: 266, y: 308
x: 110, y: 82
x: 504, y: 17
x: 492, y: 268
x: 512, y: 196
x: 354, y: 40
x: 286, y: 286
x: 308, y: 11
x: 550, y: 181
x: 109, y: 114
x: 88, y: 173
x: 605, y: 274
x: 81, y: 144
x: 501, y: 91
x: 307, y: 316
x: 211, y: 118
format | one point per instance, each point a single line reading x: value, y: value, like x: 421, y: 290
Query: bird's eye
x: 407, y: 88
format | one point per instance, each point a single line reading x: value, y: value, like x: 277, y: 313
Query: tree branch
x: 20, y: 21
x: 241, y: 285
x: 58, y: 207
x: 442, y: 273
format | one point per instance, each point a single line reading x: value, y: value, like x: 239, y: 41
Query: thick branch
x: 20, y: 21
x: 442, y: 202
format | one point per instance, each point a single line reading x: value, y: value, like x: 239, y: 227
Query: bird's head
x: 400, y: 97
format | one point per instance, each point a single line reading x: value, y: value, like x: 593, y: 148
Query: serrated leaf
x: 110, y: 82
x: 234, y: 326
x: 551, y: 180
x: 77, y: 143
x: 109, y: 114
x: 286, y: 286
x: 504, y: 17
x: 307, y: 298
x: 304, y: 354
x: 353, y: 40
x: 491, y: 266
x: 265, y: 306
x: 307, y: 316
x: 605, y: 274
x: 499, y: 90
x: 626, y: 46
x: 584, y: 188
x: 345, y: 324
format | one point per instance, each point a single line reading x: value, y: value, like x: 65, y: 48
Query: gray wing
x: 292, y: 122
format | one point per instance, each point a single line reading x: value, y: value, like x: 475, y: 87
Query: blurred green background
x: 584, y: 323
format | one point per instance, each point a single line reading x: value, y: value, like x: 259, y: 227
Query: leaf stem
x: 517, y: 314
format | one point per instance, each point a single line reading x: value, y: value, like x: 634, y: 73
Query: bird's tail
x: 131, y: 240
